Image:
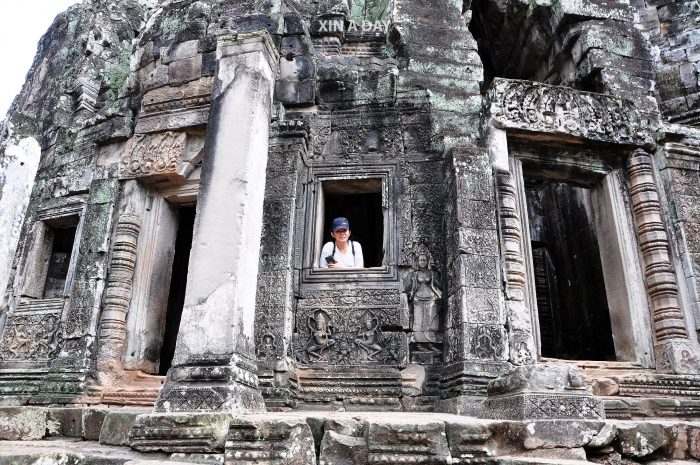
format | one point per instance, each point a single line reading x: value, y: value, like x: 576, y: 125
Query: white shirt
x: 346, y: 258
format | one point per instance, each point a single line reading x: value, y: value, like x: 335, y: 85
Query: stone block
x: 605, y: 387
x: 154, y: 75
x: 182, y: 71
x: 69, y: 421
x: 342, y: 449
x: 258, y: 440
x: 116, y: 427
x: 474, y: 305
x: 93, y: 418
x: 474, y: 271
x: 423, y: 442
x: 542, y: 392
x: 181, y: 51
x: 293, y: 92
x: 640, y: 439
x: 23, y: 423
x: 180, y: 432
x: 469, y: 439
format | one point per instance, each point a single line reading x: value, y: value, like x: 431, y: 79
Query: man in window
x: 342, y: 252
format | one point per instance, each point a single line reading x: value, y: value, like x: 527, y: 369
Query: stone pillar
x: 112, y: 334
x: 674, y: 351
x: 476, y: 345
x: 214, y: 366
x: 520, y: 335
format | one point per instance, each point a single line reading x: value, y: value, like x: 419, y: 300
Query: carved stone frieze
x: 33, y: 332
x: 535, y: 107
x: 155, y: 156
x: 360, y: 297
x: 347, y: 337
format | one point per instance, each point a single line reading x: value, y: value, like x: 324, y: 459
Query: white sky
x: 22, y: 23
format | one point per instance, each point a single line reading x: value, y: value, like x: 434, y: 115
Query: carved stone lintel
x: 533, y: 107
x: 112, y: 336
x: 155, y: 156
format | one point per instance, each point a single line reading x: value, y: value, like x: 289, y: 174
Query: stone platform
x: 100, y: 435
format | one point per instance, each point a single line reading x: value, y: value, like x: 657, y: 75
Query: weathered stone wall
x: 73, y: 100
x: 673, y: 28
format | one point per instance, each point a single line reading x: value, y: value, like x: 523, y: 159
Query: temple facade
x: 523, y: 179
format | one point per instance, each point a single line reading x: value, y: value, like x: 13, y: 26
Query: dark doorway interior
x: 572, y: 303
x: 178, y: 284
x: 361, y: 203
x: 59, y: 261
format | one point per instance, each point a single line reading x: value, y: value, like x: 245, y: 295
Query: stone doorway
x: 572, y: 303
x: 178, y: 285
x: 584, y: 282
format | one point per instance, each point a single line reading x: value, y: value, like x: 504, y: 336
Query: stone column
x: 112, y: 335
x: 674, y: 351
x: 520, y: 334
x: 475, y: 336
x: 214, y: 366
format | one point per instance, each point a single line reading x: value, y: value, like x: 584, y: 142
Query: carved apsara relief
x: 353, y: 336
x: 424, y: 297
x: 32, y: 337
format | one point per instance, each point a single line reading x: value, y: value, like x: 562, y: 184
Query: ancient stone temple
x: 522, y: 184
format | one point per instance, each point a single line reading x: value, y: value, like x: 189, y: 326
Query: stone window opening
x: 54, y: 258
x: 584, y: 281
x: 360, y: 201
x: 62, y: 238
x: 369, y: 196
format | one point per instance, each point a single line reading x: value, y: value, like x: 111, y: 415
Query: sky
x: 22, y: 23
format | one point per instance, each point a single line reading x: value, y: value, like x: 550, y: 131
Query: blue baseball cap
x: 340, y: 223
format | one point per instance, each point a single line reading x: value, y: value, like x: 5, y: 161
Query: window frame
x: 313, y: 222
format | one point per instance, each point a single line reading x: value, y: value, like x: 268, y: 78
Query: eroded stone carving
x: 536, y: 107
x: 33, y: 332
x: 424, y: 297
x: 521, y: 337
x: 367, y: 336
x: 153, y: 155
x: 341, y: 336
x: 321, y: 339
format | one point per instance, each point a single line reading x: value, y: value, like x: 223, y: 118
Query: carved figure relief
x: 424, y: 298
x: 347, y: 336
x: 321, y: 339
x: 152, y: 155
x: 32, y: 337
x: 267, y: 346
x: 367, y: 336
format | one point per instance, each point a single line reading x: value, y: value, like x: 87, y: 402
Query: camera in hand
x: 330, y: 260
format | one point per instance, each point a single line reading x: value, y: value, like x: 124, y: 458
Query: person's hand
x: 335, y: 265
